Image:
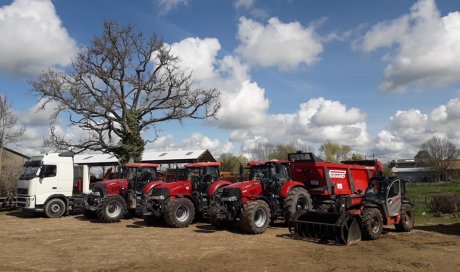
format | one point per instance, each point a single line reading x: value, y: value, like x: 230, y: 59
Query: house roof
x: 16, y: 153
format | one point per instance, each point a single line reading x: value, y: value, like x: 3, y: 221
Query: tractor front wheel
x: 111, y: 209
x: 255, y: 217
x: 371, y: 224
x: 407, y: 221
x: 179, y: 212
x: 297, y: 200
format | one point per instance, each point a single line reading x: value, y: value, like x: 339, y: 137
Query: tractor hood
x: 245, y: 184
x: 112, y: 182
x: 183, y: 187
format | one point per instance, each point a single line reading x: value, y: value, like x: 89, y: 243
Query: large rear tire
x: 55, y: 208
x: 179, y: 212
x: 298, y: 199
x: 407, y: 221
x: 371, y: 223
x: 111, y: 209
x: 255, y: 217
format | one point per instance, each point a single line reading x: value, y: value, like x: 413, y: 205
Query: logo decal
x: 337, y: 173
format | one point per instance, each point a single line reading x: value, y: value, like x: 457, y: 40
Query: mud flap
x: 341, y: 228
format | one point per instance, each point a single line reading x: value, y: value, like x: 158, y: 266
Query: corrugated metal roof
x: 172, y: 155
x: 95, y: 158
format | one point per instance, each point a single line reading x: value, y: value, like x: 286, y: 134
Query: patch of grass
x: 422, y: 197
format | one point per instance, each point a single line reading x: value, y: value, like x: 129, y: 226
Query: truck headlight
x: 230, y: 198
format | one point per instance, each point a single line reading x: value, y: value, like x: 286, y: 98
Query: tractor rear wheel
x: 255, y: 217
x: 371, y: 224
x: 407, y: 221
x: 179, y: 212
x: 298, y: 199
x: 55, y: 208
x: 111, y: 209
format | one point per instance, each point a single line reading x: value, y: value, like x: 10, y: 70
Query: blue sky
x: 380, y: 76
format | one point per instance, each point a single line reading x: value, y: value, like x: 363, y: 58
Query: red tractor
x: 177, y: 202
x: 110, y: 199
x: 350, y: 201
x: 269, y: 194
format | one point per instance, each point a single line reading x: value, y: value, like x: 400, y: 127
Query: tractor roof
x: 202, y: 164
x: 142, y: 165
x: 256, y: 163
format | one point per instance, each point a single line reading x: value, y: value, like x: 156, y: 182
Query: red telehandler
x: 350, y: 201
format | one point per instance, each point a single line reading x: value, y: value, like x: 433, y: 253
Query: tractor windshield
x: 261, y: 172
x: 203, y: 171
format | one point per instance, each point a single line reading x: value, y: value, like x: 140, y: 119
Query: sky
x: 379, y: 76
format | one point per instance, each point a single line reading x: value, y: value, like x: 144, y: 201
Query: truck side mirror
x: 42, y: 172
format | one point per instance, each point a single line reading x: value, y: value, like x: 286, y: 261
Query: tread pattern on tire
x: 406, y: 210
x: 100, y: 211
x: 290, y: 203
x: 368, y: 215
x: 170, y: 212
x: 247, y: 216
x: 52, y: 215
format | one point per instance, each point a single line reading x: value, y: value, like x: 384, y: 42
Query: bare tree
x: 267, y: 151
x: 123, y: 84
x: 440, y: 154
x: 334, y: 152
x: 9, y: 133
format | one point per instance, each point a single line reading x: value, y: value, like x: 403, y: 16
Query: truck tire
x: 111, y: 209
x: 298, y: 199
x: 371, y: 223
x: 255, y: 217
x: 55, y: 208
x: 407, y: 221
x: 179, y: 212
x: 89, y: 214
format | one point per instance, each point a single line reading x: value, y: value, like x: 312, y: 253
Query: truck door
x: 393, y: 200
x: 47, y: 183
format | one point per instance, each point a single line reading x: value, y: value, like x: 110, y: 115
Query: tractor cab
x: 139, y: 174
x: 202, y: 175
x: 387, y: 192
x: 272, y: 174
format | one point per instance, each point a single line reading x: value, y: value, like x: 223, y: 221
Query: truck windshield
x: 30, y: 170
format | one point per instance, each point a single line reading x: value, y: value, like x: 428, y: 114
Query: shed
x: 178, y: 156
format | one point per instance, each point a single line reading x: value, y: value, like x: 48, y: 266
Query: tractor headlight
x: 157, y: 197
x: 230, y: 198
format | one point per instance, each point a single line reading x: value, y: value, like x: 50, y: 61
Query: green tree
x: 442, y: 155
x: 268, y: 151
x: 422, y: 155
x: 231, y: 163
x: 120, y: 86
x: 334, y: 152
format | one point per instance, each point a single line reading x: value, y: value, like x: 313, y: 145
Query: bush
x: 446, y: 203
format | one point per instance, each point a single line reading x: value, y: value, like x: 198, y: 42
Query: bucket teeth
x: 341, y: 228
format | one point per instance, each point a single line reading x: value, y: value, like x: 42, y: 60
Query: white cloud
x: 407, y: 130
x: 33, y: 38
x: 166, y: 6
x: 278, y: 44
x: 424, y: 48
x: 37, y: 117
x: 244, y: 3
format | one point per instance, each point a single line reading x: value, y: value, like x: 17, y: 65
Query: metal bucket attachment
x: 342, y: 228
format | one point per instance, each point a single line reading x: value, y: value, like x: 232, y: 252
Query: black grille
x: 228, y: 192
x: 22, y: 191
x: 160, y: 191
x: 21, y: 199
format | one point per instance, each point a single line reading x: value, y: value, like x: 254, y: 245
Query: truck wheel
x: 371, y: 224
x: 55, y: 208
x: 179, y: 212
x: 89, y: 214
x: 407, y: 221
x: 298, y: 199
x: 111, y: 209
x: 255, y: 217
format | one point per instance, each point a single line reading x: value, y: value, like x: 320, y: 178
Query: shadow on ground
x: 452, y: 229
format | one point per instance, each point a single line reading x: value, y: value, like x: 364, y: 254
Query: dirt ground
x: 73, y: 243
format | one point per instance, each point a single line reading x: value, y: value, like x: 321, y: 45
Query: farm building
x: 420, y: 171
